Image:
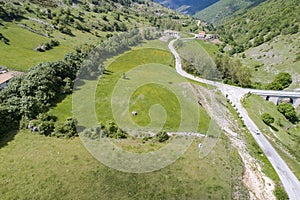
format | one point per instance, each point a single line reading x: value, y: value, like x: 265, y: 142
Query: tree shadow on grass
x: 7, y: 137
x: 273, y: 128
x: 107, y: 72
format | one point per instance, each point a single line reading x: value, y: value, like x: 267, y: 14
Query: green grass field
x: 147, y: 95
x: 255, y: 106
x: 20, y: 54
x: 129, y: 61
x: 121, y: 65
x: 38, y: 167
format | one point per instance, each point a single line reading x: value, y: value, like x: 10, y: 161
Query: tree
x: 162, y: 136
x: 244, y: 77
x: 288, y: 111
x: 267, y: 118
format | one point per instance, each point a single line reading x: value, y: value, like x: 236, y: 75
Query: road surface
x: 235, y: 94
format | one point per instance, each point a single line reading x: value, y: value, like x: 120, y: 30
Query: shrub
x: 162, y: 136
x: 66, y: 129
x: 46, y: 123
x: 267, y: 118
x: 288, y: 111
x: 280, y: 193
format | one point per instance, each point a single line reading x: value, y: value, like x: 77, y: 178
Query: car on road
x: 257, y: 131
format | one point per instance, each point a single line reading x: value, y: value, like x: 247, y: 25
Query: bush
x: 46, y: 123
x: 112, y: 130
x: 288, y: 111
x: 162, y: 136
x: 267, y: 118
x: 280, y: 193
x: 66, y: 129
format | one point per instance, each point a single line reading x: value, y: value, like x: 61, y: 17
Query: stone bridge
x: 279, y: 96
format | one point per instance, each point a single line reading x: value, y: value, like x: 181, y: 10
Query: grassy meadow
x: 38, y: 167
x: 19, y: 54
x: 162, y: 96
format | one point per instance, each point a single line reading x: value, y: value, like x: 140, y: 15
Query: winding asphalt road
x: 235, y: 94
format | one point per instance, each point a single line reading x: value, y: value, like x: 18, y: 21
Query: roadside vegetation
x: 203, y: 59
x: 282, y: 133
x: 255, y: 151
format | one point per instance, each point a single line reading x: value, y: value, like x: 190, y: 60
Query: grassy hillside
x: 278, y: 55
x: 265, y: 39
x: 27, y: 28
x: 38, y: 167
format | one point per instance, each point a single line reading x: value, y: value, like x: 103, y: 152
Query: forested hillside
x: 262, y: 23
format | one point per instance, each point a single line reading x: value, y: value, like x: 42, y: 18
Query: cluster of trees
x: 280, y: 82
x: 35, y: 92
x: 47, y: 125
x: 233, y: 72
x: 109, y: 130
x: 114, y: 45
x: 288, y: 111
